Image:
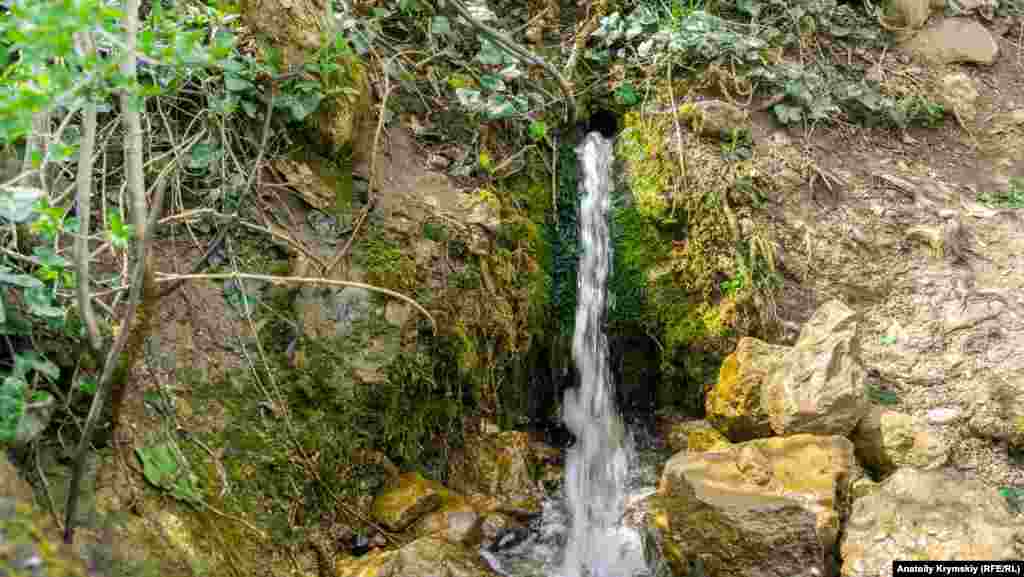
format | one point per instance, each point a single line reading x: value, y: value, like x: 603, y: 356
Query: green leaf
x: 236, y: 84
x: 30, y: 360
x: 440, y: 26
x: 202, y: 155
x: 40, y: 303
x: 887, y: 340
x: 627, y: 95
x: 161, y: 468
x: 489, y: 53
x: 21, y: 280
x: 538, y: 130
x: 87, y: 385
x: 17, y: 202
x: 492, y: 82
x: 48, y: 257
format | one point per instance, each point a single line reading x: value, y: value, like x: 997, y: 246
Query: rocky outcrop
x: 457, y: 521
x: 818, y: 386
x: 734, y: 405
x: 763, y: 507
x: 424, y: 557
x: 409, y: 499
x: 887, y: 440
x: 928, y: 515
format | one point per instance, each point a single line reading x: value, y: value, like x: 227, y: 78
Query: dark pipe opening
x: 605, y: 122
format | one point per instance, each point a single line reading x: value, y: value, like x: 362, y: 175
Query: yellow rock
x: 734, y: 405
x: 407, y: 501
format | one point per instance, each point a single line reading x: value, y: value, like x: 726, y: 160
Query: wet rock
x: 928, y: 515
x: 404, y: 503
x: 763, y: 507
x: 818, y: 386
x: 496, y: 524
x: 734, y: 405
x: 498, y: 465
x: 887, y: 440
x: 457, y: 522
x: 424, y: 557
x: 954, y: 40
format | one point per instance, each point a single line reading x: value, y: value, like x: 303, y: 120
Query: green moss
x: 386, y: 264
x: 641, y: 145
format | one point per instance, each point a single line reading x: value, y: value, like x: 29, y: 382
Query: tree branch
x: 84, y: 183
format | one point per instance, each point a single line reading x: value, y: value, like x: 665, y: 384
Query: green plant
x: 15, y: 389
x: 1014, y: 498
x: 1011, y: 198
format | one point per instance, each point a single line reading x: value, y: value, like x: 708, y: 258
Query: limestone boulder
x: 498, y: 465
x: 954, y: 40
x: 407, y: 500
x: 887, y: 440
x: 424, y: 557
x: 763, y: 507
x: 818, y: 386
x: 734, y: 405
x: 928, y: 515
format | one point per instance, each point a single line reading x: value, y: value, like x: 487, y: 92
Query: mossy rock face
x: 734, y: 405
x: 769, y: 538
x: 716, y: 500
x: 500, y: 465
x: 404, y: 504
x: 702, y: 439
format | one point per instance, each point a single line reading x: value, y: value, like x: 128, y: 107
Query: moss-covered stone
x: 500, y: 465
x: 411, y: 498
x: 734, y: 404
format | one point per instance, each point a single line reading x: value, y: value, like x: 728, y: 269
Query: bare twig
x: 201, y: 263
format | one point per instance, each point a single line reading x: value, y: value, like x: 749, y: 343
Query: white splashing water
x: 597, y: 466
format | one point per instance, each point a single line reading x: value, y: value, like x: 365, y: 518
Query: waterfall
x: 597, y: 465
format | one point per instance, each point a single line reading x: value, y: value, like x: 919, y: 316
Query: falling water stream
x: 582, y: 534
x: 598, y: 464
